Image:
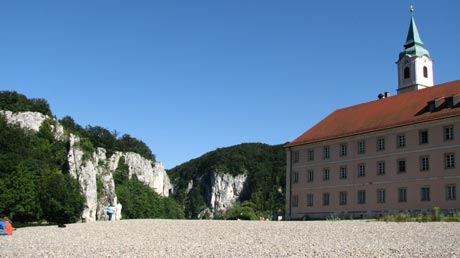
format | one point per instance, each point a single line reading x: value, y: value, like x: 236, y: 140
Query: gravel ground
x: 195, y: 238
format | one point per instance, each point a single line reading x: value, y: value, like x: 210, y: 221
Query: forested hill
x: 264, y: 165
x: 35, y: 168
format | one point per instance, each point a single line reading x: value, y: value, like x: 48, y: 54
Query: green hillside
x: 265, y: 166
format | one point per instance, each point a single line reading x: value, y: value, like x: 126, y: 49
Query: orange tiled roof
x: 399, y: 110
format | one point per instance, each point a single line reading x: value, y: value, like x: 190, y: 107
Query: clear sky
x: 188, y: 77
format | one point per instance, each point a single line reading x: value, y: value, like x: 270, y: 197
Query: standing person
x: 110, y: 211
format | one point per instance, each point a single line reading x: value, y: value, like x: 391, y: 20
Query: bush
x: 239, y: 212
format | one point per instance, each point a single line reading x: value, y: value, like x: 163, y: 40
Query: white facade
x: 414, y: 73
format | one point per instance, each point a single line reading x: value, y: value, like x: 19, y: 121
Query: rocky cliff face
x: 89, y: 168
x: 223, y: 193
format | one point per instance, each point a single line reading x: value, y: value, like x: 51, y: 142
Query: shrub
x: 242, y: 213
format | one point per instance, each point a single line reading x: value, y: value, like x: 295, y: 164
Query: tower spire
x: 414, y: 44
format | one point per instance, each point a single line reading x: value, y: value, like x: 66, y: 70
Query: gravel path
x: 194, y: 238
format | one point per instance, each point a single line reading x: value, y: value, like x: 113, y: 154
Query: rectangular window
x: 326, y: 174
x: 381, y: 168
x: 424, y: 163
x: 401, y: 140
x: 380, y: 195
x: 361, y: 147
x: 326, y: 152
x: 295, y: 177
x: 448, y: 133
x: 343, y: 198
x: 309, y: 199
x: 295, y: 201
x: 361, y: 170
x: 425, y: 194
x: 380, y: 144
x: 402, y: 195
x: 311, y: 155
x: 449, y: 160
x: 401, y: 166
x: 423, y: 136
x: 361, y: 197
x: 296, y: 156
x: 343, y: 172
x: 343, y: 149
x: 311, y: 175
x: 325, y: 199
x: 451, y: 192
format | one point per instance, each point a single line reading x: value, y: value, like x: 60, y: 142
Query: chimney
x: 386, y: 94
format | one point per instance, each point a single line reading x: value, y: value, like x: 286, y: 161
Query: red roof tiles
x: 403, y: 109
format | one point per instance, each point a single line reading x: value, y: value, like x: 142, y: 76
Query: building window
x: 451, y: 192
x: 425, y: 194
x: 326, y: 152
x: 361, y: 170
x: 325, y: 199
x: 424, y: 163
x: 296, y: 156
x: 295, y: 177
x: 326, y: 174
x: 295, y: 201
x: 425, y: 72
x: 449, y: 160
x: 311, y: 155
x: 402, y: 195
x: 343, y: 149
x: 361, y: 147
x: 380, y: 144
x: 448, y: 133
x: 401, y: 140
x: 361, y: 197
x: 406, y: 73
x: 311, y: 175
x: 343, y: 172
x: 401, y: 165
x: 423, y: 137
x: 380, y: 195
x: 309, y: 199
x: 343, y: 198
x: 381, y: 168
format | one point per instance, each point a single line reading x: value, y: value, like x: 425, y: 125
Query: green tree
x: 60, y: 197
x: 19, y: 194
x: 15, y: 102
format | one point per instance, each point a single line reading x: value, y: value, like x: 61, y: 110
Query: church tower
x: 415, y: 67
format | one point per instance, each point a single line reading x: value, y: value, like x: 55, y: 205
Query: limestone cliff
x: 89, y: 168
x: 225, y: 191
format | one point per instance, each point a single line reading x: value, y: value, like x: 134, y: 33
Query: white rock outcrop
x: 225, y: 191
x: 97, y: 164
x: 32, y: 121
x: 151, y: 173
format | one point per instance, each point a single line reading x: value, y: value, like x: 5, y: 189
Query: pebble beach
x: 207, y: 238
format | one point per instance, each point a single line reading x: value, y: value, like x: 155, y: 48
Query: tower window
x: 425, y: 72
x: 406, y: 73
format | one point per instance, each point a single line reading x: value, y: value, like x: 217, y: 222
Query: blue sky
x: 188, y: 77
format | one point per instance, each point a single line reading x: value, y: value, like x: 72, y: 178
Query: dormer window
x: 406, y: 73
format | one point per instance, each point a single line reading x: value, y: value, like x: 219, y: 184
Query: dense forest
x: 34, y: 181
x: 265, y: 166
